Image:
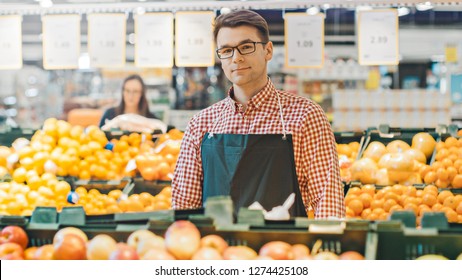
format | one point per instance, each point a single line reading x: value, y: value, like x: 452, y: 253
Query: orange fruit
x: 388, y: 204
x: 450, y: 202
x: 431, y: 188
x: 356, y: 205
x: 430, y: 177
x: 429, y: 199
x: 377, y: 203
x: 459, y: 208
x: 443, y: 195
x: 457, y: 181
x: 348, y: 212
x: 365, y: 213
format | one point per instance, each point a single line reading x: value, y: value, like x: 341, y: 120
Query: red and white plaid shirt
x: 315, y: 152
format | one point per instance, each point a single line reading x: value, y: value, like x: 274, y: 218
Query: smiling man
x: 259, y: 143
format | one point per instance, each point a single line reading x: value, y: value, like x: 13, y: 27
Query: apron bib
x: 251, y: 168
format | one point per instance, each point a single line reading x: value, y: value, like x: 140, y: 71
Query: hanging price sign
x: 304, y: 40
x: 154, y: 40
x: 61, y: 41
x: 194, y: 39
x: 10, y: 42
x: 378, y: 37
x: 106, y: 40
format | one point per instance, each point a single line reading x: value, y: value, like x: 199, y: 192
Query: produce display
x: 59, y: 150
x: 370, y: 204
x: 181, y: 241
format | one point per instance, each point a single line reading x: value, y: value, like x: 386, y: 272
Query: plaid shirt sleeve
x: 323, y: 189
x: 187, y: 180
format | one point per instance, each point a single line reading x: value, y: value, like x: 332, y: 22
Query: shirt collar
x: 257, y: 100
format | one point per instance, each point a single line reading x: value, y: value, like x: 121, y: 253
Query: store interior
x: 426, y: 30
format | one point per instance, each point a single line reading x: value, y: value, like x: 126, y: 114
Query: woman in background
x: 133, y: 101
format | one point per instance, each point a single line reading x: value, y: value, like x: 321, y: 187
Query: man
x: 258, y: 144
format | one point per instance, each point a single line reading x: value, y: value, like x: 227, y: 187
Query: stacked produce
x: 182, y: 241
x: 369, y: 204
x: 59, y: 150
x: 395, y: 163
x: 446, y: 171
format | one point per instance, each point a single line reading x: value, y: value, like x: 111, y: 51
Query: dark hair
x: 242, y: 18
x: 143, y: 106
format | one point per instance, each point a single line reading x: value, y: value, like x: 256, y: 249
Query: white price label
x: 304, y: 42
x: 194, y: 44
x: 10, y: 42
x: 61, y: 41
x: 378, y: 37
x: 154, y: 40
x: 106, y: 40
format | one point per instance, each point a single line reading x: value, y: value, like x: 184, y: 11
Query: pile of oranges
x: 366, y: 203
x: 96, y: 203
x: 446, y: 171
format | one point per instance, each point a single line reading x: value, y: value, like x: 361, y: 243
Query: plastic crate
x: 152, y: 187
x: 7, y: 138
x: 408, y: 246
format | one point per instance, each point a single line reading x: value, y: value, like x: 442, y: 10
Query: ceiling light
x: 46, y: 3
x: 403, y: 11
x: 312, y: 11
x: 424, y: 6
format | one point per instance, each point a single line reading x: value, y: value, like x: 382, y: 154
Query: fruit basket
x: 103, y: 186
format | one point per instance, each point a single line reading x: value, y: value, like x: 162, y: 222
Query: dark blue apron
x: 249, y: 168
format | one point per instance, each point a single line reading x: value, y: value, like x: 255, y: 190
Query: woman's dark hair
x: 242, y: 18
x: 143, y: 106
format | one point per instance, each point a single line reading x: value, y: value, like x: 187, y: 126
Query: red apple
x: 135, y: 237
x: 124, y: 252
x: 214, y: 241
x: 155, y: 242
x: 14, y: 234
x: 70, y: 247
x: 300, y: 251
x: 11, y: 251
x: 44, y: 252
x: 239, y: 253
x: 351, y: 255
x: 100, y: 247
x: 207, y: 253
x: 157, y: 254
x: 69, y: 230
x: 277, y: 250
x: 182, y: 239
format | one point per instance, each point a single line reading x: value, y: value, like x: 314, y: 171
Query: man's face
x: 240, y: 69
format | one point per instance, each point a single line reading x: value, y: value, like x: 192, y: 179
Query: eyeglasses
x: 243, y: 49
x: 132, y: 92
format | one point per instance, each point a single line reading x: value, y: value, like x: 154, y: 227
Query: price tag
x: 304, y: 42
x: 194, y: 39
x: 154, y: 40
x: 378, y: 37
x: 10, y: 42
x: 61, y: 41
x: 106, y: 40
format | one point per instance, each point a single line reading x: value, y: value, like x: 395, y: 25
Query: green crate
x: 400, y: 245
x: 7, y: 138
